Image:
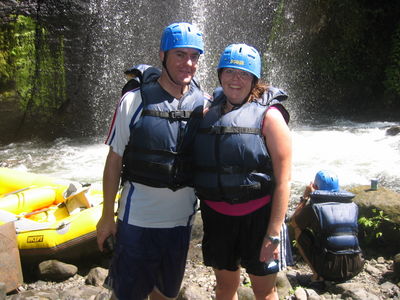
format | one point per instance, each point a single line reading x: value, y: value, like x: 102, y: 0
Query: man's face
x: 182, y: 64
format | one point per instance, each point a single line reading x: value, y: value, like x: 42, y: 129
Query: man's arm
x: 111, y: 179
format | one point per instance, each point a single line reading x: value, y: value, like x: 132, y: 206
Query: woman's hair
x: 258, y: 89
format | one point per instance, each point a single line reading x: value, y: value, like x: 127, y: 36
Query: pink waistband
x: 240, y: 209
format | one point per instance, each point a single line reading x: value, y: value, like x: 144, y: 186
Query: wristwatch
x: 274, y: 239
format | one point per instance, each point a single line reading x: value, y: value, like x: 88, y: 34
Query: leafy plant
x: 372, y: 225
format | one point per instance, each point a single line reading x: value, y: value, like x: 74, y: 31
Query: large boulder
x: 382, y: 209
x: 54, y: 270
x: 382, y: 199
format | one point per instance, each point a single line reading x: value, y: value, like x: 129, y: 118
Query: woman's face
x: 236, y: 84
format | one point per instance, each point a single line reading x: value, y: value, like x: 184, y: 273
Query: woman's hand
x: 269, y: 251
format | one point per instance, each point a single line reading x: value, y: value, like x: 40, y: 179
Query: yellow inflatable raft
x: 52, y: 219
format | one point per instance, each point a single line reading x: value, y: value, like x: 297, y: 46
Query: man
x: 149, y: 140
x: 326, y: 231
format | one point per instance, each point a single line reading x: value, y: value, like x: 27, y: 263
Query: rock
x: 300, y: 294
x: 394, y: 130
x: 84, y: 292
x: 197, y: 228
x: 383, y: 199
x: 192, y: 292
x: 382, y: 208
x: 372, y: 270
x: 54, y: 270
x: 355, y: 291
x: 380, y: 260
x: 96, y: 276
x: 396, y: 266
x: 245, y: 293
x: 283, y: 285
x: 33, y: 294
x: 2, y: 291
x: 388, y: 286
x: 312, y: 295
x: 360, y: 294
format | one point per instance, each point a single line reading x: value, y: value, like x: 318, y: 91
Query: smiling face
x: 181, y: 64
x: 237, y: 84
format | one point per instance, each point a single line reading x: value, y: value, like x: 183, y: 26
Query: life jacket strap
x: 227, y: 169
x: 137, y: 149
x: 173, y: 115
x: 229, y: 130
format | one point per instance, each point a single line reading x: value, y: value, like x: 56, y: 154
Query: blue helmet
x: 242, y: 57
x: 327, y: 181
x: 182, y: 35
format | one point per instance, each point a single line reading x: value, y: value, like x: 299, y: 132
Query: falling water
x: 125, y: 34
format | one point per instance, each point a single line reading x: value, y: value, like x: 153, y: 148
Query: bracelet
x: 274, y: 239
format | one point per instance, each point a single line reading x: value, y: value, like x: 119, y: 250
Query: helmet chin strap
x: 164, y: 63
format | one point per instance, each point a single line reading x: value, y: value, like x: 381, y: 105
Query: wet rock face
x: 11, y: 8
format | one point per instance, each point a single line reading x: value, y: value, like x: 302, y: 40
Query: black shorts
x: 233, y: 241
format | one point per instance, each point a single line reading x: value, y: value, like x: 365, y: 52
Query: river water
x: 357, y: 152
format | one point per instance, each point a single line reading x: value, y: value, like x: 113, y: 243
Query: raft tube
x: 12, y: 181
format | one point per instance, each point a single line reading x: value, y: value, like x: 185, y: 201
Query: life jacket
x: 231, y: 159
x: 158, y: 152
x: 337, y: 220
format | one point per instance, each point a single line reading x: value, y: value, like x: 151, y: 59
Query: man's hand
x: 309, y: 189
x: 105, y: 228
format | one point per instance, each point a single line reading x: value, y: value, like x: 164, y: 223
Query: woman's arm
x: 279, y: 145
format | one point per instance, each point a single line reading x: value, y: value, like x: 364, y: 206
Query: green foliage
x: 279, y: 19
x: 348, y: 46
x: 32, y: 67
x: 392, y: 82
x: 372, y: 228
x: 373, y: 224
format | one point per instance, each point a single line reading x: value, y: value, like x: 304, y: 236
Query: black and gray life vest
x: 231, y: 159
x: 158, y: 153
x: 338, y: 221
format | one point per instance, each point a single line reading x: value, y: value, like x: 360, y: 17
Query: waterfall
x: 97, y: 40
x: 124, y: 34
x: 87, y: 44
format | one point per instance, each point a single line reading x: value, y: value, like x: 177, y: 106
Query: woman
x: 243, y: 164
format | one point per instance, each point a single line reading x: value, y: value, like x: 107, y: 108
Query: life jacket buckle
x: 215, y: 129
x: 177, y: 114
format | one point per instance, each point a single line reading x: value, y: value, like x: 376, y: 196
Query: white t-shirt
x: 143, y: 205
